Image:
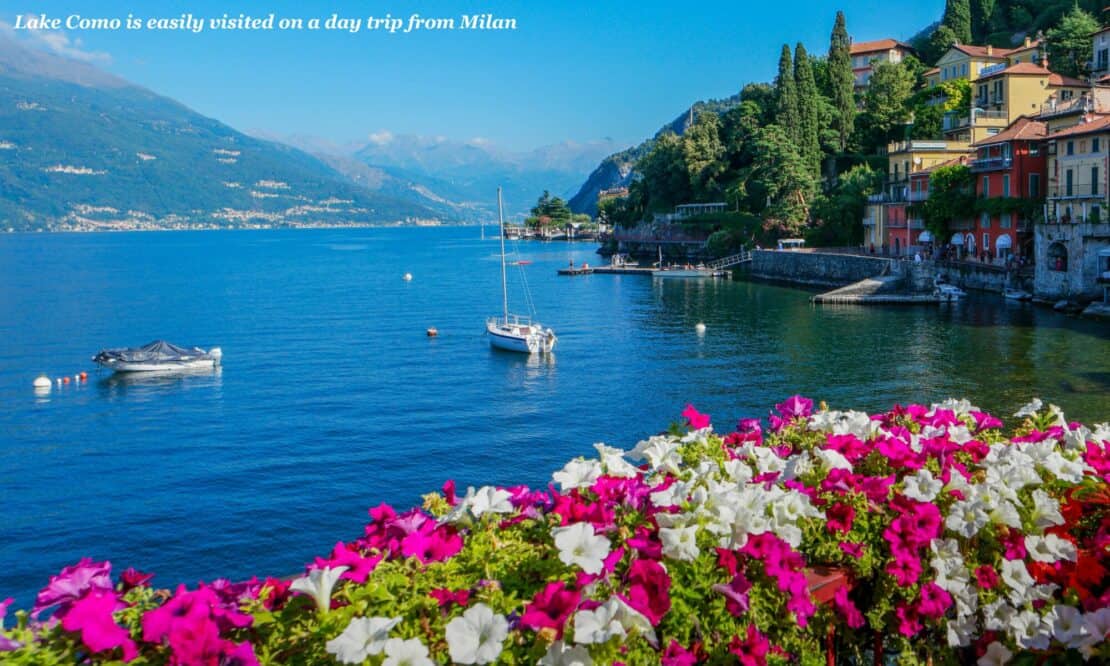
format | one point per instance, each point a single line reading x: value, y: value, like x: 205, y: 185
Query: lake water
x: 332, y: 399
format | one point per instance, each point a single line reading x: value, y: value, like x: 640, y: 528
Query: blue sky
x: 574, y: 69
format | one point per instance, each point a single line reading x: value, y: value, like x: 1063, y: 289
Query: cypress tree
x: 786, y: 99
x: 957, y: 16
x: 843, y: 82
x: 982, y: 15
x: 808, y: 102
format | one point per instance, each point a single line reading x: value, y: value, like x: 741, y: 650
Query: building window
x: 986, y: 186
x: 1095, y: 145
x: 1065, y: 95
x: 1070, y: 148
x: 1094, y: 181
x: 1034, y: 185
x: 984, y: 221
x: 1068, y: 178
x: 1082, y: 146
x: 1005, y: 184
x: 986, y: 242
x: 963, y: 69
x: 1103, y: 59
x: 1057, y: 257
x: 1034, y: 149
x: 1004, y: 221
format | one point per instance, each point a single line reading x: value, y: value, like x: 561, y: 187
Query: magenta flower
x: 71, y: 583
x: 445, y: 597
x: 1013, y: 543
x: 132, y: 578
x: 840, y: 517
x: 984, y: 421
x: 551, y: 608
x: 847, y: 609
x: 696, y: 419
x: 736, y: 594
x: 853, y: 549
x: 91, y: 616
x: 358, y: 565
x: 751, y: 651
x: 934, y: 601
x: 6, y: 644
x: 676, y: 655
x: 908, y: 622
x: 649, y: 589
x: 646, y: 544
x: 795, y: 407
x: 438, y: 546
x: 986, y: 577
x: 449, y: 492
x: 749, y: 425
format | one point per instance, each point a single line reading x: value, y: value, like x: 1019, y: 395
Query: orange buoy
x: 65, y: 380
x: 432, y: 332
x: 84, y: 376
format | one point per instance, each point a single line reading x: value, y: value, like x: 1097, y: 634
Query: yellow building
x: 1077, y: 172
x: 965, y: 61
x: 1003, y: 93
x: 1032, y: 50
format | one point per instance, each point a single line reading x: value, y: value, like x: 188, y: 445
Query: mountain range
x: 81, y: 148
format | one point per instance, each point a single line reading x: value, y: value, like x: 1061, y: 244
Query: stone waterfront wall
x: 814, y: 268
x: 1081, y: 244
x: 965, y: 275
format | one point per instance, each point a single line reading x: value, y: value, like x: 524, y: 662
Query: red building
x: 1009, y: 166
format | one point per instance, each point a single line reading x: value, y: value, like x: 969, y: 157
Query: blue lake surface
x: 332, y: 399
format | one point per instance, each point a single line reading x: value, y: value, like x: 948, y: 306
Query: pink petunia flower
x: 71, y: 583
x: 934, y: 601
x: 92, y: 617
x: 847, y: 609
x: 986, y: 577
x: 795, y: 407
x: 909, y: 624
x: 696, y: 419
x: 358, y: 565
x: 736, y: 594
x: 839, y: 517
x: 446, y: 598
x: 853, y: 549
x: 676, y: 655
x: 649, y: 589
x: 752, y: 650
x: 551, y: 608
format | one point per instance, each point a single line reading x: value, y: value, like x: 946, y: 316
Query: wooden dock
x: 575, y: 271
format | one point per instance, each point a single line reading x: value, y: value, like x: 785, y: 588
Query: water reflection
x: 147, y: 385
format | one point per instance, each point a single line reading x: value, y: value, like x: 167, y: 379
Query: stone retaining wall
x: 814, y: 268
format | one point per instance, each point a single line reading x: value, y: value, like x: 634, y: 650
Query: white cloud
x: 480, y: 141
x: 381, y: 138
x: 57, y: 42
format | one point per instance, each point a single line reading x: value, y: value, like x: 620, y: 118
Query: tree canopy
x: 1069, y: 43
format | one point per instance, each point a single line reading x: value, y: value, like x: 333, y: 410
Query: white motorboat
x: 515, y: 332
x: 1016, y: 295
x: 946, y: 291
x: 158, y: 356
x: 700, y: 272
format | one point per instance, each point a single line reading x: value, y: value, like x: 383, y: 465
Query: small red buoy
x: 65, y: 380
x: 84, y: 376
x: 432, y: 332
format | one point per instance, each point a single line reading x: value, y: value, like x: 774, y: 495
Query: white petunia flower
x: 579, y: 545
x: 597, y: 625
x: 1029, y: 630
x: 613, y: 462
x: 921, y: 486
x: 1049, y: 548
x: 1046, y: 510
x: 364, y: 636
x: 318, y: 584
x: 477, y: 636
x: 961, y: 632
x: 560, y: 654
x: 996, y: 655
x: 680, y: 543
x: 1029, y: 409
x: 997, y: 615
x: 1017, y: 578
x: 489, y: 499
x: 409, y: 652
x: 578, y: 473
x: 1068, y: 626
x: 660, y: 452
x: 966, y: 518
x: 831, y: 459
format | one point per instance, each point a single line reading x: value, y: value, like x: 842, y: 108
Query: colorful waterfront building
x: 1009, y: 169
x: 966, y: 61
x: 1004, y: 92
x: 1075, y: 231
x: 1100, y: 61
x: 905, y: 159
x: 866, y: 54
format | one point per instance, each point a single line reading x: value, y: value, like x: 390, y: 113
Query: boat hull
x: 159, y: 366
x: 521, y: 338
x: 683, y: 273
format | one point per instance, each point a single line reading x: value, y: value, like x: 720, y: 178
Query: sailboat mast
x: 504, y: 284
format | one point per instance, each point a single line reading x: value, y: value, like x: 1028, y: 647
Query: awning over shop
x: 925, y: 237
x: 957, y: 238
x: 1003, y: 242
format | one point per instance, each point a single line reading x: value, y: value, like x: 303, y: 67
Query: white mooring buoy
x: 408, y: 277
x: 700, y: 328
x: 42, y: 383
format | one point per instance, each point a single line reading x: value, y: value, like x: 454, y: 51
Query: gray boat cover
x: 159, y: 350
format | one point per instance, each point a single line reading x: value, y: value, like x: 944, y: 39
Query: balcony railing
x: 978, y: 117
x: 916, y: 223
x: 1076, y: 192
x: 1082, y: 103
x: 990, y: 164
x: 919, y: 195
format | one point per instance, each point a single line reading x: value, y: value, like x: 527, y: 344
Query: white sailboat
x: 515, y: 332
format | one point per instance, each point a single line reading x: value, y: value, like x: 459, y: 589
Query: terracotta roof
x: 980, y: 51
x: 962, y: 159
x: 936, y: 70
x: 1061, y: 80
x: 876, y: 46
x: 1090, y: 125
x: 1021, y: 68
x: 1022, y: 129
x: 1036, y: 43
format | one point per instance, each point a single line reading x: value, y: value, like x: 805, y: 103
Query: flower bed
x: 924, y: 531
